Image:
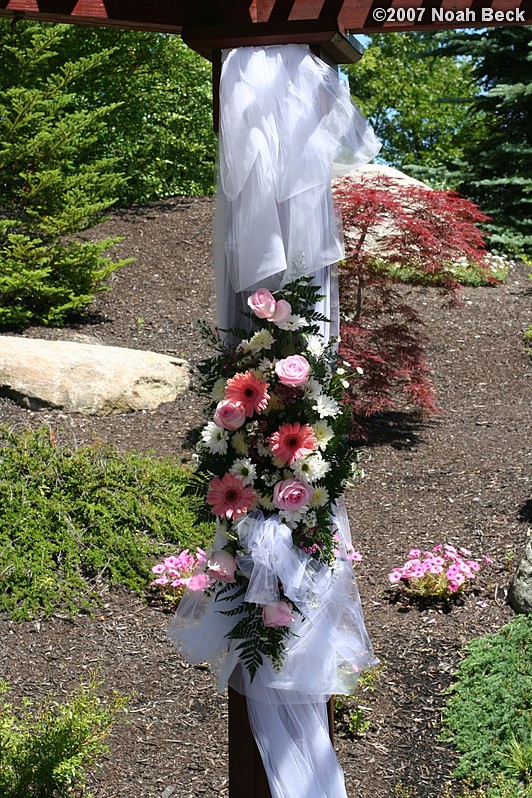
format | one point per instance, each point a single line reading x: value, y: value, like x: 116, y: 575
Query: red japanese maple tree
x: 391, y: 228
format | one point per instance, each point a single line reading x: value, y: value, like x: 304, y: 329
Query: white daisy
x: 238, y: 442
x: 263, y: 339
x: 293, y: 322
x: 323, y: 433
x: 312, y: 468
x: 326, y: 406
x: 313, y: 389
x: 215, y: 438
x: 320, y: 497
x: 218, y: 390
x: 245, y: 469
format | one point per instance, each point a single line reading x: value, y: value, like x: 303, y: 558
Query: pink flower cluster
x: 180, y: 571
x: 442, y: 571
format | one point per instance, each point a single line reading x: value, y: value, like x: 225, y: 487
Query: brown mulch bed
x: 461, y: 477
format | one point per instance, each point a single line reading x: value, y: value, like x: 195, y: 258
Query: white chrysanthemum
x: 238, y: 442
x: 326, y: 406
x: 293, y: 322
x: 263, y: 339
x: 218, y: 390
x: 244, y: 347
x: 313, y: 388
x: 320, y: 497
x: 245, y: 469
x: 215, y: 438
x: 266, y: 501
x: 312, y: 468
x: 323, y: 433
x: 315, y: 345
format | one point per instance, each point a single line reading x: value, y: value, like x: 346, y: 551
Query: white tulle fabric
x: 286, y: 120
x: 286, y: 123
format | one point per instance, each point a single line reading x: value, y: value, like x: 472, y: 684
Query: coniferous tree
x: 496, y: 171
x: 53, y: 182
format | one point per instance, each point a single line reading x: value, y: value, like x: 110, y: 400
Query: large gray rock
x: 520, y: 592
x: 87, y: 378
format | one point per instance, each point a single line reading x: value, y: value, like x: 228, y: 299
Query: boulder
x: 87, y: 378
x: 520, y: 592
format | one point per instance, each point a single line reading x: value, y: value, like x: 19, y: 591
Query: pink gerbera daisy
x: 293, y: 441
x: 249, y: 390
x: 229, y: 497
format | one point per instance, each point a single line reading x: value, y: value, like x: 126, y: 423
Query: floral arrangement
x: 276, y: 442
x: 442, y: 572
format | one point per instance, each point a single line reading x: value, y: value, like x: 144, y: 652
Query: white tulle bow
x: 272, y: 558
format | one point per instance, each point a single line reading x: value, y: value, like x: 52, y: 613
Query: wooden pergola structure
x: 328, y: 27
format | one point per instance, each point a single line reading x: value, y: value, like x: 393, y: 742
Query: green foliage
x: 411, y: 100
x: 46, y: 751
x: 349, y: 715
x: 489, y: 713
x: 70, y: 518
x: 54, y: 180
x: 160, y: 127
x: 495, y: 170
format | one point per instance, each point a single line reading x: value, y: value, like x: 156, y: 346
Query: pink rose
x: 293, y: 371
x: 278, y: 614
x: 221, y: 566
x: 229, y: 414
x: 283, y: 311
x: 262, y: 303
x: 291, y: 494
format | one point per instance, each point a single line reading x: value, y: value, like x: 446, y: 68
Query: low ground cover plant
x: 47, y: 751
x: 488, y: 715
x: 71, y: 518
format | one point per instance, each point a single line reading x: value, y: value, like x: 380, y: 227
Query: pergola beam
x: 357, y: 16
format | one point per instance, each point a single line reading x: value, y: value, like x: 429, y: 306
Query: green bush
x: 489, y: 713
x: 71, y: 517
x: 54, y: 180
x: 45, y: 752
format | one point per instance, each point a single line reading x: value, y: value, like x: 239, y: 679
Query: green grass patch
x: 70, y: 518
x: 489, y: 713
x: 462, y: 271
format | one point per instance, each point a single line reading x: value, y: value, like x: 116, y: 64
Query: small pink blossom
x: 395, y: 576
x: 199, y: 581
x: 414, y: 553
x: 278, y: 614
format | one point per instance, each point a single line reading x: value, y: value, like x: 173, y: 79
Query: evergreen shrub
x: 489, y: 713
x: 46, y: 751
x: 54, y: 182
x: 73, y: 517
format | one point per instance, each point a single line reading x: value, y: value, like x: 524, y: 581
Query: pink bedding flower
x: 222, y: 566
x: 293, y: 441
x: 293, y: 370
x: 198, y: 582
x: 249, y: 391
x: 291, y: 494
x: 229, y: 497
x: 278, y: 614
x: 229, y: 414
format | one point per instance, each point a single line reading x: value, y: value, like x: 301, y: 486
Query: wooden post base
x: 247, y: 777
